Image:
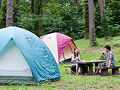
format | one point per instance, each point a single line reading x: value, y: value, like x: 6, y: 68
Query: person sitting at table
x: 76, y: 57
x: 110, y: 62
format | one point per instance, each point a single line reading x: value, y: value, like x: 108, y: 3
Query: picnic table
x: 87, y: 66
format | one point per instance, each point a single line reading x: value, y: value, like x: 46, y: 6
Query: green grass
x: 82, y: 82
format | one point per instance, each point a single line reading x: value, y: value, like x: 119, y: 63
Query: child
x: 76, y: 57
x: 110, y: 62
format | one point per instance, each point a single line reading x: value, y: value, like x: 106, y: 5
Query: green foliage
x: 112, y: 16
x: 66, y: 17
x: 3, y: 14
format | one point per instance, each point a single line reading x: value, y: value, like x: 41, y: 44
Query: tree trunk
x: 86, y: 17
x: 32, y: 6
x: 92, y: 33
x: 103, y: 20
x: 0, y: 3
x: 9, y: 16
x: 38, y: 24
x: 101, y: 9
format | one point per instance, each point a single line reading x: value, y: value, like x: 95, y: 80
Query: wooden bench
x: 72, y: 67
x: 104, y: 70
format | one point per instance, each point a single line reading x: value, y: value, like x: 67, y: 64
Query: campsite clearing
x: 83, y: 82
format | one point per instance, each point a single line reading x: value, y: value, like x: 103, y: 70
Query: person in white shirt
x: 76, y: 57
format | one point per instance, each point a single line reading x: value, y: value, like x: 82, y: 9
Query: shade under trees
x: 103, y: 19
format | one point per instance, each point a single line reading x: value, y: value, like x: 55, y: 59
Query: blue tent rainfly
x: 24, y: 58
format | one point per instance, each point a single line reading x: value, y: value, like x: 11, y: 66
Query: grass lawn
x: 82, y: 82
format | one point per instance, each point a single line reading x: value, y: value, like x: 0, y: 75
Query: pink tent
x: 60, y: 45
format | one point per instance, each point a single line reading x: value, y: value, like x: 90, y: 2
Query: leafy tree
x: 3, y: 14
x: 70, y: 17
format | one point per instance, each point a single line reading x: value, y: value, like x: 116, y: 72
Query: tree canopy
x: 65, y: 16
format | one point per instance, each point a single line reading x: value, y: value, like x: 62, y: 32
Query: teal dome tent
x: 24, y: 58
